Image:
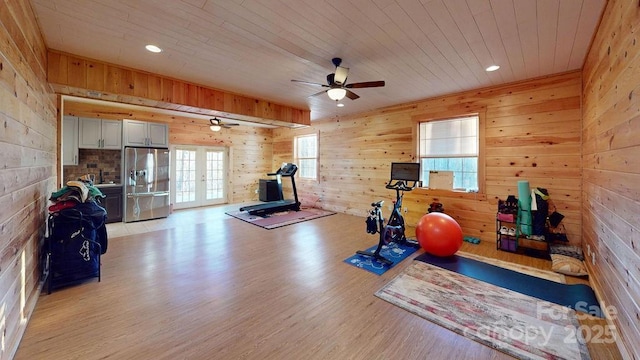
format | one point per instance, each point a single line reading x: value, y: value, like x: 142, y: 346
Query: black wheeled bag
x: 77, y: 238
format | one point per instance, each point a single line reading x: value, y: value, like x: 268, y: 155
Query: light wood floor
x: 204, y: 285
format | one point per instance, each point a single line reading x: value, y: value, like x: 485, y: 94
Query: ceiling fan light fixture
x: 215, y: 127
x: 336, y: 94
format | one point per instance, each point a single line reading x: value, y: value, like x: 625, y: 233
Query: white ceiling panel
x: 420, y: 48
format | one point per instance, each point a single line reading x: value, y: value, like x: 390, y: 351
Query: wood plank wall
x: 250, y: 150
x: 611, y: 151
x: 531, y: 132
x: 28, y: 142
x: 249, y: 147
x: 75, y: 75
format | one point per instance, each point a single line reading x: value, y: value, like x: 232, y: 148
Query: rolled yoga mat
x: 524, y: 202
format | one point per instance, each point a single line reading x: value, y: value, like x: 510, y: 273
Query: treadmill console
x: 288, y: 169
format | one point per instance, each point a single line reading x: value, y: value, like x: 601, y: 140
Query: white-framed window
x: 451, y: 144
x: 306, y: 156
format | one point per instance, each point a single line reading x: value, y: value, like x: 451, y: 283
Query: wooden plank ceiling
x: 420, y: 48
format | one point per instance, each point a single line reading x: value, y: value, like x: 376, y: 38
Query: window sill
x: 450, y: 194
x: 307, y: 180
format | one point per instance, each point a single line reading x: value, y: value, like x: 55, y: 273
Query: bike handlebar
x: 401, y: 185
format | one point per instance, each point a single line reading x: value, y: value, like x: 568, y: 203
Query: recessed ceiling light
x: 492, y: 68
x: 153, y: 48
x: 340, y: 105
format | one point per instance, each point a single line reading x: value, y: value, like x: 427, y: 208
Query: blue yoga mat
x: 393, y: 252
x: 577, y: 296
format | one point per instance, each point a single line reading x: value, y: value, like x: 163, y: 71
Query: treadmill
x: 287, y: 170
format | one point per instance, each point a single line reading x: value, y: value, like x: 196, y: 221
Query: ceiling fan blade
x: 319, y: 93
x: 217, y: 122
x: 351, y: 95
x: 310, y: 83
x: 366, y: 84
x: 341, y: 74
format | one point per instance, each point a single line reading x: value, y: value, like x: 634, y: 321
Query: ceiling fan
x: 217, y: 124
x: 337, y: 86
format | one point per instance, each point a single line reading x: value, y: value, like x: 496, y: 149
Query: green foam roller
x: 524, y: 199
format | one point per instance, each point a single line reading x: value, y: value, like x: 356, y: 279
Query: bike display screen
x: 405, y: 171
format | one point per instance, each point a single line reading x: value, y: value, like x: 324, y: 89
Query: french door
x: 200, y: 175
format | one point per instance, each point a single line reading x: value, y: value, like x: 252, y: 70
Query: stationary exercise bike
x: 394, y: 232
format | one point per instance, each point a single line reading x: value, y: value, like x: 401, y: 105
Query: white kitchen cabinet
x: 112, y: 134
x: 70, y: 140
x: 146, y: 134
x: 135, y: 133
x: 158, y: 135
x: 100, y: 134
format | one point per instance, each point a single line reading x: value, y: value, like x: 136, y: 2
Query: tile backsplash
x: 91, y: 161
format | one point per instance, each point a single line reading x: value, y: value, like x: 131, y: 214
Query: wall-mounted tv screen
x: 405, y: 171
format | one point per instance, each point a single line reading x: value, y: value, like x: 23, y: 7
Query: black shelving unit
x: 519, y: 243
x: 506, y: 242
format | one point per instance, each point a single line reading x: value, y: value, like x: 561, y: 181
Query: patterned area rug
x: 280, y: 219
x: 516, y: 324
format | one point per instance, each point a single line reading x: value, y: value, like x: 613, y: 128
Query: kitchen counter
x: 106, y: 185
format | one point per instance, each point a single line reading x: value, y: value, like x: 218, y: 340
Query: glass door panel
x: 200, y: 176
x: 215, y: 179
x: 185, y: 175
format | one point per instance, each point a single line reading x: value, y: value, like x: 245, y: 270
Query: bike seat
x: 377, y: 204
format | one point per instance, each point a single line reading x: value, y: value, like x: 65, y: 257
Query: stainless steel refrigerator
x: 146, y: 187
